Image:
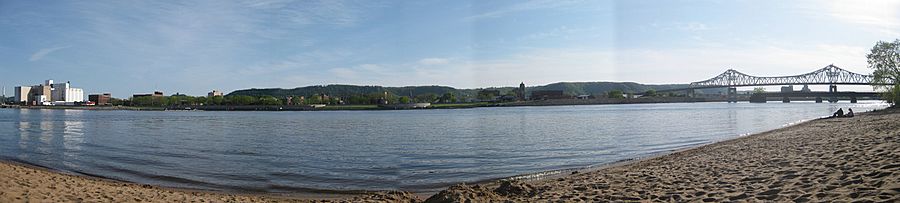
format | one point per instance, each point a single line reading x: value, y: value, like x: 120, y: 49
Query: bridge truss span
x: 829, y: 75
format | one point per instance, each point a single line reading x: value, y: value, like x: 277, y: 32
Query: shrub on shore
x: 884, y: 58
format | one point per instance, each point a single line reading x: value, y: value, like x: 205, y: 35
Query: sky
x: 192, y: 47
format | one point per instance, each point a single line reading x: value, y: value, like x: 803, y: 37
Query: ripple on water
x: 372, y: 150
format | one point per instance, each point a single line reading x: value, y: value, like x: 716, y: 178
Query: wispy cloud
x: 433, y: 61
x: 883, y: 15
x: 524, y: 6
x: 40, y: 54
x: 682, y: 26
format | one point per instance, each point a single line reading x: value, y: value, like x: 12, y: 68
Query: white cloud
x: 524, y: 6
x: 40, y: 54
x: 883, y: 15
x: 433, y: 61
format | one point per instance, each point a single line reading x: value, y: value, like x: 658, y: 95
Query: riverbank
x: 549, y: 102
x: 259, y: 107
x: 821, y: 160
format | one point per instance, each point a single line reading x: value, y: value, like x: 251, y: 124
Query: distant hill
x: 571, y: 88
x: 593, y: 88
x: 347, y: 90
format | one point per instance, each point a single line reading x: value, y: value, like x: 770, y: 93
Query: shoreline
x: 487, y: 190
x: 551, y: 102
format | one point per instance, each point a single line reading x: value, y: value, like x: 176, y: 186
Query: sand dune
x: 828, y: 160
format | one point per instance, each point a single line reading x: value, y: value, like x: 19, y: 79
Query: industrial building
x: 549, y: 94
x: 215, y: 93
x: 49, y: 94
x: 100, y: 99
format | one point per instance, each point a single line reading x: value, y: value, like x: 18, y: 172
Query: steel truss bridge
x: 829, y: 75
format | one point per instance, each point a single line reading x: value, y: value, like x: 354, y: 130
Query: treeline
x: 570, y: 88
x: 361, y: 99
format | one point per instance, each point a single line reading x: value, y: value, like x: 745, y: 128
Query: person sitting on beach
x: 839, y: 113
x: 849, y: 113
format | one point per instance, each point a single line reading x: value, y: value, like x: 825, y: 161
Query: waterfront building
x: 49, y: 93
x: 215, y: 93
x: 100, y: 99
x: 549, y: 94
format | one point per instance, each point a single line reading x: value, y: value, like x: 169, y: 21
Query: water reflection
x: 24, y: 137
x: 372, y: 150
x: 73, y: 137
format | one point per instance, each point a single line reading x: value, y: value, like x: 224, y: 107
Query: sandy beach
x: 839, y: 159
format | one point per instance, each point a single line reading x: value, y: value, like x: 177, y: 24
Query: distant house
x: 549, y: 94
x: 584, y: 96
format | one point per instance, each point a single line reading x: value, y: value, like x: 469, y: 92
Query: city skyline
x: 195, y: 47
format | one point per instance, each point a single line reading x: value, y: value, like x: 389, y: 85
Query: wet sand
x: 828, y: 160
x: 25, y: 183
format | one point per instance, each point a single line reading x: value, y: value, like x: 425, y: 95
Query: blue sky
x: 192, y: 47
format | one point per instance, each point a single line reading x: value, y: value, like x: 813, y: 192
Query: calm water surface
x: 373, y: 150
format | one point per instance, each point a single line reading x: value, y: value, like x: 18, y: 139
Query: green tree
x: 885, y: 60
x: 201, y: 100
x: 759, y: 90
x: 615, y: 94
x: 404, y: 100
x: 650, y: 93
x: 427, y: 98
x: 216, y: 100
x: 334, y: 100
x: 269, y: 100
x: 448, y: 98
x: 116, y: 102
x: 241, y: 100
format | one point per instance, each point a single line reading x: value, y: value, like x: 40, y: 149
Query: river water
x: 416, y: 150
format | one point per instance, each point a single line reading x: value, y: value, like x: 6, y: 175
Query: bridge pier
x: 732, y: 95
x: 833, y: 90
x: 785, y: 100
x: 818, y: 99
x: 853, y: 100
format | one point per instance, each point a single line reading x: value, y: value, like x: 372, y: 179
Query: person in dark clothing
x: 849, y: 113
x: 839, y: 113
